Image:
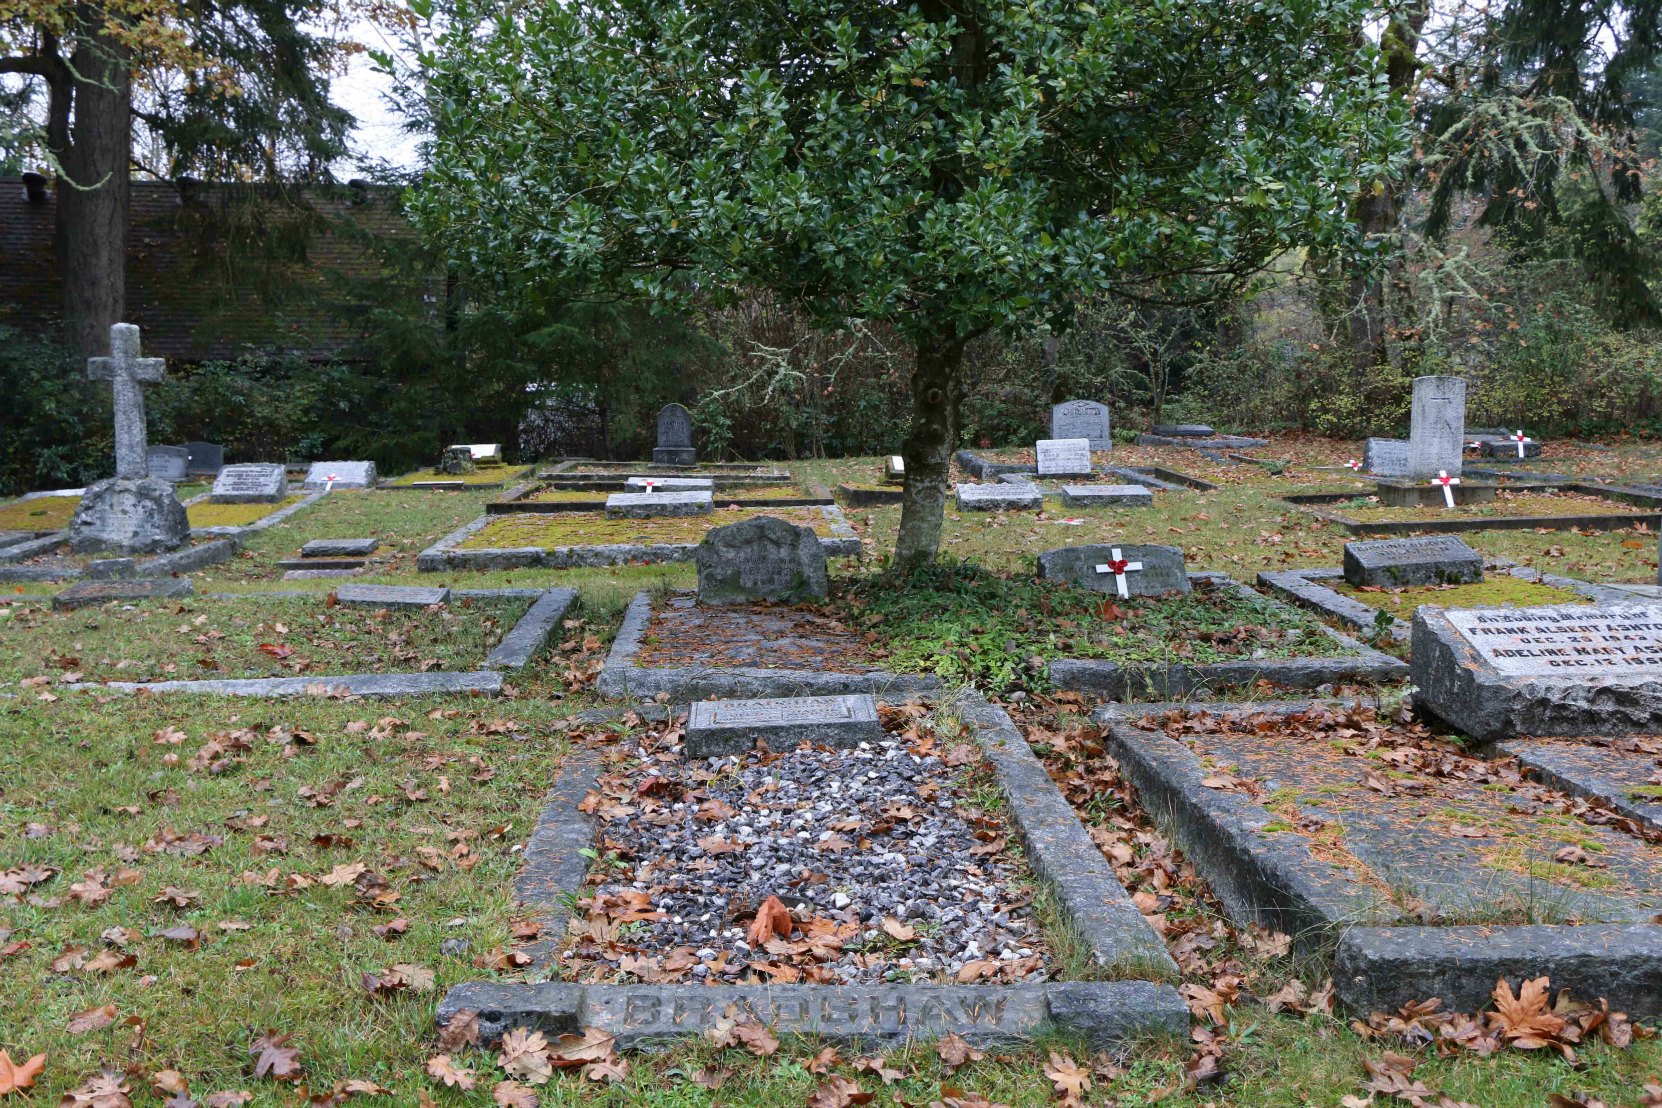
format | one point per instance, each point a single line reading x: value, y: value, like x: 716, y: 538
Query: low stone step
x: 340, y: 548
x: 391, y: 596
x: 83, y: 593
x: 317, y: 574
x: 322, y: 563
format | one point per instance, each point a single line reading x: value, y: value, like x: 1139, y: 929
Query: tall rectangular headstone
x: 167, y: 463
x: 1437, y: 434
x: 675, y: 445
x: 205, y: 457
x: 1081, y: 419
x: 1064, y: 457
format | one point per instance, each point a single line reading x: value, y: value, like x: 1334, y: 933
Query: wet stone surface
x: 889, y: 873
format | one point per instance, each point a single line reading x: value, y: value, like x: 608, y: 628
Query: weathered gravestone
x: 1100, y: 496
x: 1063, y: 457
x: 167, y: 463
x: 1126, y: 571
x: 675, y: 445
x: 130, y: 513
x: 83, y: 593
x: 250, y: 483
x: 1496, y: 673
x: 205, y: 457
x: 998, y: 498
x: 1082, y: 419
x: 340, y: 548
x: 1400, y: 563
x: 763, y: 558
x: 722, y: 728
x: 648, y: 505
x: 340, y: 475
x: 456, y: 461
x: 1437, y: 432
x: 392, y: 596
x: 482, y: 453
x: 894, y: 470
x: 1385, y: 457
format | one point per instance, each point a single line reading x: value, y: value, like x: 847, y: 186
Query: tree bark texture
x: 937, y: 391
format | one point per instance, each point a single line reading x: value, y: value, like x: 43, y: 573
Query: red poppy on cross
x: 1520, y: 438
x: 1448, y: 484
x: 1354, y: 465
x: 330, y: 486
x: 1119, y: 567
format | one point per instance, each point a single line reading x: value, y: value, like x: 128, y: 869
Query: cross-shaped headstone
x: 1448, y: 484
x: 127, y: 373
x: 1119, y: 567
x: 1520, y: 438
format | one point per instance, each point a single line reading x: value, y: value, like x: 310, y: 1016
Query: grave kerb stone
x: 1401, y: 563
x: 720, y: 728
x: 340, y: 475
x: 1182, y: 430
x: 392, y: 596
x: 1082, y: 419
x: 668, y: 484
x: 340, y: 548
x: 1063, y: 457
x: 687, y: 502
x: 1094, y: 496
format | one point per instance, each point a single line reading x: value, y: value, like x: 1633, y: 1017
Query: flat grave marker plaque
x: 250, y: 483
x: 1063, y: 457
x: 647, y: 505
x: 716, y: 728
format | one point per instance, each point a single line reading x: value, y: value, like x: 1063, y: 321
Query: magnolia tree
x: 945, y: 168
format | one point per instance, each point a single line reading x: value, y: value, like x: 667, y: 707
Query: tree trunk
x: 92, y: 209
x: 937, y: 389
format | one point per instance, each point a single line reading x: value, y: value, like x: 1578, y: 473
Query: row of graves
x: 131, y: 536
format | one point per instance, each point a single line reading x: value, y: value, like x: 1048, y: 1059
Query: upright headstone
x: 456, y: 460
x: 1063, y: 457
x: 130, y: 513
x: 205, y: 457
x: 1081, y: 419
x: 1400, y: 563
x: 894, y: 470
x: 340, y: 475
x: 1385, y: 457
x: 482, y: 453
x: 762, y: 558
x: 250, y: 483
x: 1437, y: 433
x: 1123, y: 570
x: 675, y: 445
x: 167, y: 463
x: 1497, y: 673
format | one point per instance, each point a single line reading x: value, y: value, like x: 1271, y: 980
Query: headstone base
x: 1403, y: 494
x: 674, y: 456
x: 1401, y: 563
x: 129, y: 515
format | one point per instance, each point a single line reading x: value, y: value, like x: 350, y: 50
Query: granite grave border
x: 1274, y: 880
x: 265, y: 521
x: 518, y: 647
x: 1116, y: 681
x: 1138, y: 1002
x: 1308, y: 588
x: 446, y: 554
x: 624, y: 676
x: 510, y: 474
x: 1150, y: 476
x: 1310, y: 504
x: 514, y: 501
x: 187, y: 559
x: 1551, y: 762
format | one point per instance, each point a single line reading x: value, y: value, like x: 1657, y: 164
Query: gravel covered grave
x: 882, y: 865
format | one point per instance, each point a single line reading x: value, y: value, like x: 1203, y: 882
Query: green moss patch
x: 208, y: 514
x: 1500, y: 591
x: 257, y: 637
x: 550, y: 530
x: 964, y: 623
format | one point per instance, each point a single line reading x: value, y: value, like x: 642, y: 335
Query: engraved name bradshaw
x: 802, y: 710
x: 842, y: 1011
x: 1537, y: 641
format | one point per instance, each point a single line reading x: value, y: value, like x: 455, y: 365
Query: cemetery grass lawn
x: 482, y: 475
x: 44, y: 513
x: 208, y: 514
x: 549, y: 530
x: 969, y: 625
x: 197, y: 638
x: 1496, y: 590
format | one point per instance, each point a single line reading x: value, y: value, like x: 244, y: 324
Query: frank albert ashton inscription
x: 1532, y: 642
x: 840, y: 1012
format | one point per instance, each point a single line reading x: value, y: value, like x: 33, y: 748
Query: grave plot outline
x: 517, y: 648
x: 1321, y: 504
x: 1126, y: 681
x: 1310, y: 588
x: 446, y: 555
x: 1271, y: 878
x: 1139, y: 1001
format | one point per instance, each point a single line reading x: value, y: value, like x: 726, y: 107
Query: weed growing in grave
x: 1000, y: 631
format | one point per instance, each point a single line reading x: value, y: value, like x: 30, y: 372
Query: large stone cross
x: 127, y: 373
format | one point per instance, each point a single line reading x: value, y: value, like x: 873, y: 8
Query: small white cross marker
x: 1520, y: 438
x: 1119, y: 567
x: 1354, y: 466
x: 1448, y: 484
x: 329, y: 486
x: 649, y: 485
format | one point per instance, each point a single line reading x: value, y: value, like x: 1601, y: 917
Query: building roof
x: 214, y: 270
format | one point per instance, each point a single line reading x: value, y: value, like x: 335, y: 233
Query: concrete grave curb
x: 1311, y: 504
x: 1550, y: 763
x: 517, y: 648
x: 446, y: 554
x: 1272, y: 879
x: 260, y: 524
x: 624, y: 676
x: 1114, y: 681
x: 1109, y: 1014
